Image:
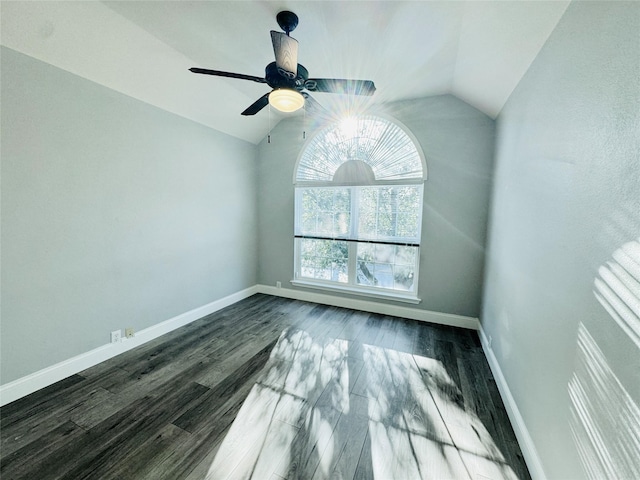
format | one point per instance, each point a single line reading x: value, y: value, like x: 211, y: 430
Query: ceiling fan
x: 288, y: 79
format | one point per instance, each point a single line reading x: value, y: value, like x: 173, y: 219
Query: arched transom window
x: 359, y: 209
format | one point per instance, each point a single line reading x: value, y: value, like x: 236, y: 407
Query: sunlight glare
x: 618, y: 288
x: 605, y: 421
x: 349, y: 126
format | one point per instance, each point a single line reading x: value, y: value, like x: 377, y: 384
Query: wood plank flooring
x: 271, y: 388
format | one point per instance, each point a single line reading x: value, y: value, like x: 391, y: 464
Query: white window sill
x: 386, y: 294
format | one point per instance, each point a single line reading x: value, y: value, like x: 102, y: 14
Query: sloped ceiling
x: 476, y: 50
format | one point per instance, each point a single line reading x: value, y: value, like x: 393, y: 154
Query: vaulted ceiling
x: 475, y: 50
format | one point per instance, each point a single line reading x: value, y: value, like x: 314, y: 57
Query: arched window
x: 359, y: 209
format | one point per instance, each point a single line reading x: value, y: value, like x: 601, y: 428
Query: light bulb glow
x: 286, y: 100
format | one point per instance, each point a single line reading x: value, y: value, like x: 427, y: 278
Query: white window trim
x: 362, y: 291
x: 408, y: 181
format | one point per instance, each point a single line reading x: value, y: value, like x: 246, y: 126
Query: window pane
x: 406, y: 255
x: 386, y: 266
x: 324, y: 259
x: 367, y: 213
x: 325, y: 211
x: 390, y: 213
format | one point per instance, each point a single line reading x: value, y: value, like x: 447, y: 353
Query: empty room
x: 320, y: 240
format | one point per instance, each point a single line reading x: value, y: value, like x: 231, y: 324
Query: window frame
x: 352, y: 287
x: 353, y: 240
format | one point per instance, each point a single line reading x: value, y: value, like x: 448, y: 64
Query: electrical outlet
x: 116, y: 336
x: 128, y: 332
x: 278, y: 285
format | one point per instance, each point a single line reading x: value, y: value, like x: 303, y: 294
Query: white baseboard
x: 47, y: 376
x: 527, y: 446
x: 33, y: 382
x: 375, y: 307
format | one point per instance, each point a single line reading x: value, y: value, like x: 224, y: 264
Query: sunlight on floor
x: 419, y: 425
x: 403, y: 416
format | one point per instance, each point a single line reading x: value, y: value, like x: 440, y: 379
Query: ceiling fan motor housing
x: 277, y: 80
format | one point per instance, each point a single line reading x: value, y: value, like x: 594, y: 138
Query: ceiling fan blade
x: 311, y: 105
x: 338, y: 85
x: 219, y: 73
x: 258, y: 105
x: 285, y: 49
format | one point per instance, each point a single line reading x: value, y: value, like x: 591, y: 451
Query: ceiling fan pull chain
x: 269, y: 134
x: 304, y: 121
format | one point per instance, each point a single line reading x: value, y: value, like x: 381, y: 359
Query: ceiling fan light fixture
x: 286, y: 100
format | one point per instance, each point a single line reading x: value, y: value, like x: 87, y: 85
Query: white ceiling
x: 476, y: 50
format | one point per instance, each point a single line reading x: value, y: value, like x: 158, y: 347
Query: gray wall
x: 458, y: 142
x: 114, y: 214
x: 566, y: 198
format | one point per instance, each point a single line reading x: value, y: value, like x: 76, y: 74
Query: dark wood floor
x: 271, y: 388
